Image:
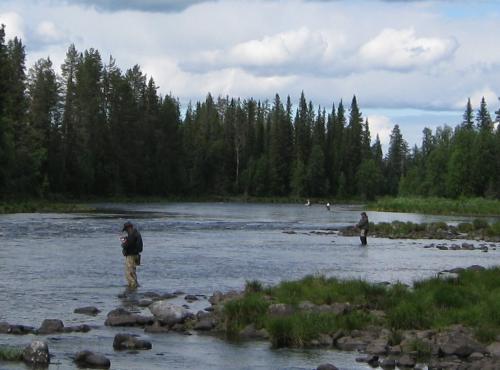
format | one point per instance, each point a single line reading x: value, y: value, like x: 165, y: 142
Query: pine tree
x: 483, y: 117
x: 396, y: 159
x: 468, y: 121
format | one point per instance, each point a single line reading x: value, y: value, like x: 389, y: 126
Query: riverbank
x: 438, y: 206
x: 476, y: 230
x: 451, y: 320
x: 43, y: 206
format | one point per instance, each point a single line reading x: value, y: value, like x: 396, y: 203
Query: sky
x: 413, y: 63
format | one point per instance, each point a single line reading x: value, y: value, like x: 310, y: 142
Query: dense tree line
x: 96, y: 130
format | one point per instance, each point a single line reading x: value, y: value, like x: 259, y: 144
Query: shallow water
x: 53, y: 263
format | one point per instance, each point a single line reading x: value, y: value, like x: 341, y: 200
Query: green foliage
x: 422, y: 349
x: 253, y: 286
x: 8, y: 353
x: 243, y: 311
x: 479, y: 224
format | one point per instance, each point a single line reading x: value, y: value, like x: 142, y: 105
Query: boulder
x: 405, y: 361
x: 37, y: 353
x: 145, y: 302
x: 4, y: 327
x: 476, y: 268
x: 280, y: 309
x: 51, y: 326
x: 467, y: 246
x: 168, y: 296
x: 191, y: 298
x: 325, y: 340
x: 156, y: 328
x: 122, y: 317
x: 494, y: 350
x: 476, y: 356
x: 92, y: 360
x: 306, y: 306
x: 250, y: 332
x: 129, y: 342
x: 351, y: 344
x: 326, y: 367
x: 377, y: 347
x: 216, y: 298
x: 167, y: 313
x: 458, y: 342
x: 205, y: 323
x: 77, y: 329
x: 21, y: 329
x: 88, y: 310
x: 388, y: 363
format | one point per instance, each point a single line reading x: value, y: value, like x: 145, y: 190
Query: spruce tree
x: 468, y: 121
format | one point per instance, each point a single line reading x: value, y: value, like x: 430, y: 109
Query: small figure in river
x: 131, y: 249
x: 308, y: 203
x: 327, y: 206
x: 363, y: 225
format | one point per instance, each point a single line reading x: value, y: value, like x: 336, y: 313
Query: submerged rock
x: 327, y: 367
x: 37, y: 353
x: 88, y: 310
x: 92, y: 360
x: 129, y: 342
x: 122, y: 317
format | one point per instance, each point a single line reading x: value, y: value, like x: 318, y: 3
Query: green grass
x: 31, y: 206
x: 8, y: 353
x: 473, y: 300
x: 434, y: 205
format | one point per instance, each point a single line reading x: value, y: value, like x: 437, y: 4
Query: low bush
x: 8, y: 353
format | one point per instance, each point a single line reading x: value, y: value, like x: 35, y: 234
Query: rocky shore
x: 452, y: 347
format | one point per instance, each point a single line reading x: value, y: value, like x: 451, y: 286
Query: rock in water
x: 89, y: 310
x: 51, y: 326
x: 92, y: 360
x: 167, y: 313
x: 37, y: 353
x: 326, y: 367
x: 129, y: 342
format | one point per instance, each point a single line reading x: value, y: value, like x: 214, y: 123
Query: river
x: 51, y: 264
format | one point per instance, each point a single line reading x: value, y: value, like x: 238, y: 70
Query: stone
x: 250, y: 332
x: 179, y: 292
x: 476, y: 356
x: 145, y: 302
x: 494, y: 350
x: 280, y: 309
x: 156, y: 328
x: 122, y: 317
x: 325, y: 340
x: 206, y: 323
x: 351, y: 344
x: 458, y: 342
x: 388, y: 363
x: 129, y: 342
x: 326, y: 367
x: 467, y: 246
x: 88, y: 310
x: 151, y: 295
x: 77, y: 329
x: 306, y: 306
x: 4, y: 327
x: 377, y: 347
x: 405, y: 361
x: 167, y: 296
x: 456, y: 270
x: 476, y: 268
x: 21, y: 329
x: 92, y: 360
x: 168, y: 313
x: 442, y: 247
x: 51, y: 326
x: 191, y: 298
x: 37, y: 353
x: 216, y: 298
x: 371, y: 360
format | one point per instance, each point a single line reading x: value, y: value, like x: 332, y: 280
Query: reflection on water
x: 53, y: 263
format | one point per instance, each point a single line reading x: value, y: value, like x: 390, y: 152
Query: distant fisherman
x: 131, y: 249
x: 327, y: 206
x: 363, y: 225
x: 308, y: 203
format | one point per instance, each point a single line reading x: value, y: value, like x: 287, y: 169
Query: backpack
x: 139, y: 242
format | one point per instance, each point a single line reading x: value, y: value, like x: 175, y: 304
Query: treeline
x: 95, y: 130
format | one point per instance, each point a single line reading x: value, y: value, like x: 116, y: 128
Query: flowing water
x: 51, y: 264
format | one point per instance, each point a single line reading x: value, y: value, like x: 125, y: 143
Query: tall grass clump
x: 8, y: 353
x: 436, y: 205
x: 249, y: 309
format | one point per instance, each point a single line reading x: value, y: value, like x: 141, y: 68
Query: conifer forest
x: 96, y: 130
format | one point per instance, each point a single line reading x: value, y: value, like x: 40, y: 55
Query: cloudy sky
x: 414, y: 63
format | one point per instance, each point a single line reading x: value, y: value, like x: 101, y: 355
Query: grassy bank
x: 28, y: 206
x: 441, y: 206
x: 472, y: 299
x: 478, y: 229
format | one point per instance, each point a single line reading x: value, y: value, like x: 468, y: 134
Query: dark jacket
x: 131, y: 244
x: 363, y: 224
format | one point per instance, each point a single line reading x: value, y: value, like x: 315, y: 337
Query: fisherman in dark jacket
x: 363, y: 225
x: 131, y: 248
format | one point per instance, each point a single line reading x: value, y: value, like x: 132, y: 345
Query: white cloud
x: 294, y: 51
x: 403, y: 50
x: 475, y: 99
x: 47, y: 32
x: 14, y: 25
x: 382, y: 126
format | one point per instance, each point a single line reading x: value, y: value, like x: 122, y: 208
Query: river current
x: 51, y: 264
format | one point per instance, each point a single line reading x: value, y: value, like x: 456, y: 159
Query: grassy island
x: 295, y: 313
x: 439, y: 206
x: 29, y: 206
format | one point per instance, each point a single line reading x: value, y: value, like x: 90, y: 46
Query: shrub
x: 465, y: 227
x: 423, y: 349
x: 253, y: 286
x: 480, y: 224
x: 8, y: 353
x: 409, y: 315
x: 243, y: 311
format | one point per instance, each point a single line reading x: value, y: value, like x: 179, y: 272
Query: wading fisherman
x: 363, y: 225
x: 131, y: 248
